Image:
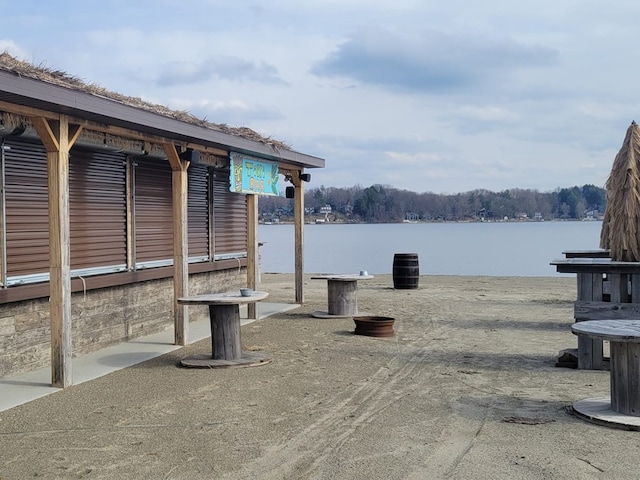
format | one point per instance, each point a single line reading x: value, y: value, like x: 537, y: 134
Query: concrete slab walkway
x: 19, y: 389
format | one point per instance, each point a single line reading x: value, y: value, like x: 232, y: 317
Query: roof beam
x: 48, y: 131
x: 174, y: 159
x: 45, y: 132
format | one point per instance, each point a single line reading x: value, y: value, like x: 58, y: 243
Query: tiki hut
x: 621, y: 224
x: 112, y: 208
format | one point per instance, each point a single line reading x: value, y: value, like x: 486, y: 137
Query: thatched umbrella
x: 621, y: 224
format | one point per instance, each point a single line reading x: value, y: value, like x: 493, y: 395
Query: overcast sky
x: 424, y: 95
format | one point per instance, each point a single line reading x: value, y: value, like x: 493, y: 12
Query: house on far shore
x: 112, y: 208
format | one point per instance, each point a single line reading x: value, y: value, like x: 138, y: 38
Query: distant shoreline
x: 412, y: 222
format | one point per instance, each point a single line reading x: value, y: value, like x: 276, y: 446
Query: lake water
x: 495, y: 249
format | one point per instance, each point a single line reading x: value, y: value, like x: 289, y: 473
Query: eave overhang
x: 41, y: 95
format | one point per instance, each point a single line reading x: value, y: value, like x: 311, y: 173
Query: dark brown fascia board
x: 46, y: 96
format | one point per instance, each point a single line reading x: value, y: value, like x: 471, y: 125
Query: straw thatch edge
x: 621, y: 222
x: 43, y: 73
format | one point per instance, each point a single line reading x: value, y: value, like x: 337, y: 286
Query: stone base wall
x: 101, y: 318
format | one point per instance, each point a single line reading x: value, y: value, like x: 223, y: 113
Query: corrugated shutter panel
x: 198, y: 211
x: 27, y: 209
x: 98, y: 212
x: 230, y: 217
x: 153, y: 213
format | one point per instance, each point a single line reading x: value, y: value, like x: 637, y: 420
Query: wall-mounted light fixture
x: 305, y: 177
x: 290, y: 192
x: 190, y: 155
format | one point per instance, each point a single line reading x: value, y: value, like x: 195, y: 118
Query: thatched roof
x: 621, y: 224
x: 11, y: 64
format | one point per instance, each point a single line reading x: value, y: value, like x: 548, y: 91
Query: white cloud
x: 181, y: 73
x: 12, y: 48
x: 232, y: 112
x: 487, y: 113
x: 427, y: 96
x: 431, y: 61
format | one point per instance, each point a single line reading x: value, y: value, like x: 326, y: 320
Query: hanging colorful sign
x: 249, y: 175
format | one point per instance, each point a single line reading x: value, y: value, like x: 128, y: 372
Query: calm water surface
x: 496, y: 249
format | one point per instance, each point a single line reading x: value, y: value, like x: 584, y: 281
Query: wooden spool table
x: 342, y: 295
x: 226, y: 344
x: 607, y: 290
x: 622, y: 408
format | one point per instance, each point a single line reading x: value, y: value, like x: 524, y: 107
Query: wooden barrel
x: 406, y: 270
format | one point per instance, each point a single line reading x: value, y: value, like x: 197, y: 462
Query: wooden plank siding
x: 97, y: 210
x: 198, y: 211
x: 98, y: 205
x: 229, y: 218
x: 153, y: 222
x: 100, y: 195
x: 26, y: 207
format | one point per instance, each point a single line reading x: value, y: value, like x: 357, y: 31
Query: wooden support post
x: 635, y: 288
x: 252, y: 251
x: 590, y: 349
x: 58, y: 138
x: 298, y: 213
x: 618, y: 288
x: 180, y: 244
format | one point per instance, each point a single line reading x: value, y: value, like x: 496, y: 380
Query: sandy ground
x: 467, y: 389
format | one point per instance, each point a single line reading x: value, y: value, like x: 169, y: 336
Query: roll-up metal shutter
x: 98, y: 211
x: 26, y: 212
x: 198, y: 212
x: 153, y: 213
x: 229, y: 218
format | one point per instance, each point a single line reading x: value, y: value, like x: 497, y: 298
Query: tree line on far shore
x: 386, y: 204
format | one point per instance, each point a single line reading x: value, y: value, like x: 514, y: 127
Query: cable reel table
x: 342, y: 295
x: 622, y: 408
x: 226, y: 344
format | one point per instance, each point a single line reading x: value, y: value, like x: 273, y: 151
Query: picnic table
x: 606, y: 289
x: 622, y: 408
x: 226, y: 343
x: 342, y: 294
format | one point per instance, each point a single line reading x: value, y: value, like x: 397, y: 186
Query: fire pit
x: 374, y: 326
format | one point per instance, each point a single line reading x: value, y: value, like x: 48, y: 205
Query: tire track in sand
x: 310, y: 449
